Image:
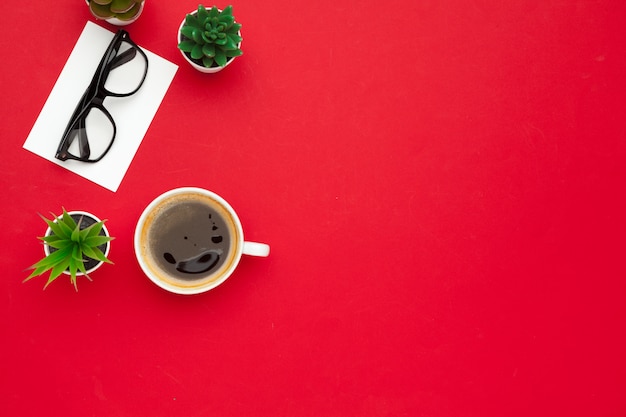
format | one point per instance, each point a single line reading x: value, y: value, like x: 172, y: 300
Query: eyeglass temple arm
x: 68, y: 138
x: 122, y: 58
x: 83, y: 143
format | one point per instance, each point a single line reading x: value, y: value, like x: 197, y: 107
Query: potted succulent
x: 76, y: 243
x: 117, y: 12
x: 210, y: 39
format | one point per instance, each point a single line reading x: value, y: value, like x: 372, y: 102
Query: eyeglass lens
x: 126, y: 70
x: 92, y: 135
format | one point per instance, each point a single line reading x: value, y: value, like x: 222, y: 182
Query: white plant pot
x: 201, y: 68
x: 117, y: 22
x: 91, y: 269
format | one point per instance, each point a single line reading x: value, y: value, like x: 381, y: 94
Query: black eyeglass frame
x: 94, y: 96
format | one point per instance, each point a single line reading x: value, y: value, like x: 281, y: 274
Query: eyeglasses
x: 91, y: 130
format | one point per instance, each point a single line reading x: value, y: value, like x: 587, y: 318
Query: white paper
x: 132, y: 115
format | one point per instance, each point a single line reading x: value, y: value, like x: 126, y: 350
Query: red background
x: 441, y: 183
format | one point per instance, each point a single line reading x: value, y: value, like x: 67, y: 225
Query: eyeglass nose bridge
x: 98, y: 101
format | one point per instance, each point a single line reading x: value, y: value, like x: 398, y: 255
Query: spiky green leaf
x: 36, y: 272
x: 81, y: 268
x: 93, y: 230
x: 75, y: 236
x: 53, y: 259
x: 73, y: 271
x: 58, y: 228
x: 77, y: 253
x: 50, y: 238
x: 68, y: 220
x: 51, y: 278
x: 95, y: 253
x: 60, y: 267
x: 60, y: 244
x: 95, y: 241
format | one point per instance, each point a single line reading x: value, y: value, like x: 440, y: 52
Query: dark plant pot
x: 87, y: 220
x: 196, y: 63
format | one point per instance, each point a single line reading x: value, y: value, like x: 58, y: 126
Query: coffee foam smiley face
x: 196, y: 244
x: 189, y: 240
x: 192, y: 239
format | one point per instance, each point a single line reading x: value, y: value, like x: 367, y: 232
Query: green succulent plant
x: 71, y: 244
x: 210, y: 36
x: 121, y: 9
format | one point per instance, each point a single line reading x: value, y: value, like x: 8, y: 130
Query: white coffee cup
x: 190, y: 240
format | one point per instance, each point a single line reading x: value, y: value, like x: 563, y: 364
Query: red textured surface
x: 442, y: 186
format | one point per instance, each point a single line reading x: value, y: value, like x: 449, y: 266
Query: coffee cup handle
x: 256, y: 249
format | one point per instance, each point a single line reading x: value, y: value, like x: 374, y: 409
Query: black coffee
x: 189, y: 239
